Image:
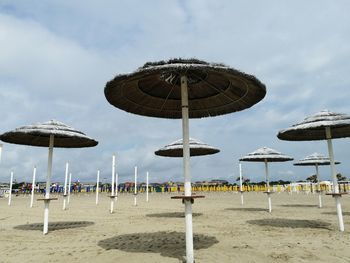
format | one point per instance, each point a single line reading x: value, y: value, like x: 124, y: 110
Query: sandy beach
x: 224, y: 231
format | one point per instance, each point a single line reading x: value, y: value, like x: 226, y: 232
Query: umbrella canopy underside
x: 197, y: 148
x: 266, y: 154
x: 314, y: 159
x: 39, y: 135
x: 213, y: 89
x: 313, y: 127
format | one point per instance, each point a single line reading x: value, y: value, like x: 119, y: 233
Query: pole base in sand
x: 47, y: 199
x: 189, y: 198
x: 337, y: 194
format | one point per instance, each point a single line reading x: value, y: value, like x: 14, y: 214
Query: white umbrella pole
x: 268, y: 186
x: 186, y: 167
x: 147, y: 175
x: 334, y: 177
x: 47, y: 193
x: 69, y: 185
x: 113, y: 176
x: 33, y: 187
x: 116, y: 184
x: 240, y: 182
x: 10, y: 194
x: 318, y: 188
x: 135, y: 188
x: 97, y: 185
x: 65, y: 187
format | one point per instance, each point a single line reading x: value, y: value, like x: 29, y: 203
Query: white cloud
x: 56, y: 57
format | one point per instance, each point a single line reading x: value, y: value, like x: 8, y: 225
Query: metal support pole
x: 116, y: 184
x: 48, y: 183
x: 65, y: 186
x: 10, y: 194
x: 186, y: 168
x: 113, y: 177
x: 240, y: 182
x: 318, y: 187
x: 97, y: 185
x: 69, y: 188
x: 33, y: 187
x: 135, y: 188
x: 147, y: 175
x: 334, y: 178
x: 268, y: 186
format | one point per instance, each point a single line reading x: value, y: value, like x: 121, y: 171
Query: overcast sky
x: 56, y: 57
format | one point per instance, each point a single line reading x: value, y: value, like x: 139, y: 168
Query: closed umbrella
x: 266, y: 155
x: 184, y: 88
x: 324, y: 125
x: 48, y: 134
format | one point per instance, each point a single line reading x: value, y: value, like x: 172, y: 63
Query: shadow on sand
x: 248, y: 209
x: 55, y: 225
x: 297, y: 205
x: 290, y: 223
x: 335, y: 213
x: 167, y: 244
x: 173, y: 215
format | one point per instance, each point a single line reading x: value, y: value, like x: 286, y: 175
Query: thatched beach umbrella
x: 175, y: 149
x: 316, y: 160
x: 48, y: 134
x: 324, y: 125
x: 266, y: 155
x: 197, y: 148
x: 184, y: 88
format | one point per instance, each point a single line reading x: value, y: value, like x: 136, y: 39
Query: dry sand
x: 224, y: 231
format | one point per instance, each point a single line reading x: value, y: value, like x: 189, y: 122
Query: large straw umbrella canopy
x: 48, y: 134
x: 39, y: 135
x: 184, y: 88
x: 213, y: 89
x: 314, y: 127
x: 266, y: 155
x: 316, y: 160
x: 324, y: 125
x: 197, y: 148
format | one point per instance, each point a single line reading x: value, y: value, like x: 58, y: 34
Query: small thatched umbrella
x: 175, y: 149
x: 184, y: 88
x: 266, y: 155
x: 324, y: 125
x: 48, y: 134
x: 316, y: 160
x: 197, y: 148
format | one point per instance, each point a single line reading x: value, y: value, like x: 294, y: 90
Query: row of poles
x: 67, y: 185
